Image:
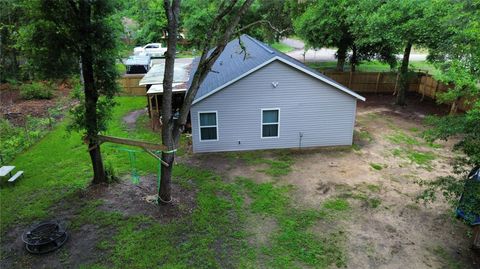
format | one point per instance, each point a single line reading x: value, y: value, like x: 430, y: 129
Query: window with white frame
x: 270, y: 122
x: 208, y: 125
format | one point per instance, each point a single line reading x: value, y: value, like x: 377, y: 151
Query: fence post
x: 421, y: 88
x: 25, y: 126
x: 434, y: 95
x: 395, y: 87
x: 50, y: 125
x: 350, y: 79
x: 378, y: 81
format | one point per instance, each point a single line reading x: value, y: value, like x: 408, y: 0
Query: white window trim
x: 261, y: 123
x: 208, y: 126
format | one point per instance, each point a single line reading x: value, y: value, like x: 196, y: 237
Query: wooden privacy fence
x: 360, y: 82
x: 129, y: 84
x: 373, y: 82
x: 388, y: 82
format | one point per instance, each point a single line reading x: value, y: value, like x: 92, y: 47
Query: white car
x: 151, y: 49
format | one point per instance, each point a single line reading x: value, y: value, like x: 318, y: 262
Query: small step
x: 16, y: 176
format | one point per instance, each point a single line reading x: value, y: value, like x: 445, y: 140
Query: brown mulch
x: 16, y: 109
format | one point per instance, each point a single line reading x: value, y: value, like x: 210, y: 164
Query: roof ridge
x: 260, y: 44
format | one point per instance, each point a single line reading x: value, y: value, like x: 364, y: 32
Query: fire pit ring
x: 44, y: 237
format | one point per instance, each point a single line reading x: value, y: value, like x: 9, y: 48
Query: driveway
x: 327, y: 54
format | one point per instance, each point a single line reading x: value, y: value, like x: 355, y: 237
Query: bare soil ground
x: 387, y: 228
x: 16, y: 109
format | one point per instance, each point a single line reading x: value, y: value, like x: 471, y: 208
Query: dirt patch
x: 131, y: 118
x: 394, y: 231
x: 79, y: 249
x: 260, y: 228
x: 416, y: 108
x: 134, y: 199
x: 15, y: 109
x: 82, y: 246
x: 227, y: 166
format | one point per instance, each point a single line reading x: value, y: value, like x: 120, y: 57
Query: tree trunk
x: 404, y: 81
x: 171, y: 130
x: 172, y: 11
x: 97, y: 164
x: 15, y: 65
x: 165, y: 192
x: 354, y: 59
x: 91, y: 99
x: 341, y: 56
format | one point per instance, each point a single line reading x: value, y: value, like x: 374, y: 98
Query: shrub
x: 36, y: 90
x: 15, y: 139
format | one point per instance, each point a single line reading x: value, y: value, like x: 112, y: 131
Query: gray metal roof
x: 155, y: 74
x: 137, y: 60
x: 240, y: 56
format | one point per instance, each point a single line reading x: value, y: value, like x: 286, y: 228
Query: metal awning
x: 158, y: 89
x: 155, y: 74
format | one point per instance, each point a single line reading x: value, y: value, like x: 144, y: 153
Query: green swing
x: 152, y: 149
x: 133, y: 160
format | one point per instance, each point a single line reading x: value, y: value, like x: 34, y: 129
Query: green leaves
x: 466, y: 128
x: 324, y: 24
x: 464, y: 82
x: 151, y: 18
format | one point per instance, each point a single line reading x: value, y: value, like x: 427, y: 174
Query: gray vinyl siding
x: 324, y: 114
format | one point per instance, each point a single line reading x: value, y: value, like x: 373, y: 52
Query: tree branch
x: 262, y: 22
x: 172, y: 11
x: 205, y: 64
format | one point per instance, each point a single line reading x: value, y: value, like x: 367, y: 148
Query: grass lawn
x: 59, y: 164
x: 214, y: 233
x: 282, y: 47
x: 319, y: 208
x: 375, y: 66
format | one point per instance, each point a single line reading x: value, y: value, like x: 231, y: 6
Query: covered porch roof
x: 155, y: 74
x: 158, y: 88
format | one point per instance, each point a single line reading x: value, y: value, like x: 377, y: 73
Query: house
x: 256, y: 97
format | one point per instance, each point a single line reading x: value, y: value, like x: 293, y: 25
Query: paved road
x: 326, y: 55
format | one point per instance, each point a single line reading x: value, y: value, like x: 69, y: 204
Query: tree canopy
x: 458, y: 58
x: 340, y: 24
x: 325, y: 24
x: 67, y: 37
x: 151, y: 19
x: 268, y: 20
x: 403, y: 24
